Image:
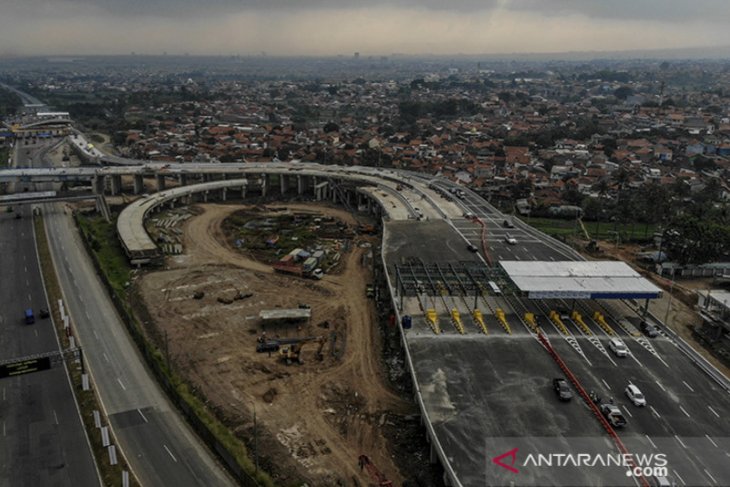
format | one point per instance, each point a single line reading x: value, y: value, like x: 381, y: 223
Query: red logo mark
x: 510, y: 454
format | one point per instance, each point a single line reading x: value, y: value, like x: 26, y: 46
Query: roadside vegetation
x: 597, y: 230
x: 100, y: 237
x: 9, y: 103
x: 87, y: 400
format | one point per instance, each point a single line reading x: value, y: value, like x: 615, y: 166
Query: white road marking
x: 685, y: 412
x: 627, y: 412
x: 679, y: 477
x: 29, y: 298
x: 3, y: 393
x: 105, y: 356
x: 710, y: 475
x: 121, y: 384
x: 55, y: 416
x: 660, y: 386
x: 87, y: 315
x: 680, y: 441
x: 3, y: 427
x: 36, y: 333
x: 170, y: 453
x: 652, y: 443
x: 95, y: 335
x: 713, y: 411
x: 27, y: 282
x: 654, y: 411
x: 606, y: 384
x: 708, y: 437
x: 688, y: 386
x: 143, y: 416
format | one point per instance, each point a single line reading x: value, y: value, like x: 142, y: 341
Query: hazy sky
x: 324, y: 27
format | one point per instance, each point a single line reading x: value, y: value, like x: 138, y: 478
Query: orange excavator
x: 365, y: 464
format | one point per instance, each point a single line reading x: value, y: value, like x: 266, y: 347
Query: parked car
x: 648, y: 329
x: 618, y: 347
x: 562, y: 389
x: 635, y: 395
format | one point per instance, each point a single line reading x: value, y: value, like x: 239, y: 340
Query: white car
x: 510, y: 240
x: 618, y: 347
x: 635, y: 395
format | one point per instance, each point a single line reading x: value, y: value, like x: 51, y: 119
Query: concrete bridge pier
x: 183, y: 179
x: 205, y: 196
x: 116, y: 181
x: 224, y: 192
x: 97, y: 184
x: 300, y: 185
x: 138, y: 184
x: 243, y: 192
x: 206, y: 177
x: 320, y: 191
x: 160, y: 182
x: 283, y: 184
x: 264, y: 184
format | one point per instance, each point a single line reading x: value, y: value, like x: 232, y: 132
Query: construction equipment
x: 365, y: 463
x: 293, y: 351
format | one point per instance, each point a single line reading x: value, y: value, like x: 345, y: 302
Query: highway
x: 160, y: 447
x: 687, y: 412
x: 43, y: 439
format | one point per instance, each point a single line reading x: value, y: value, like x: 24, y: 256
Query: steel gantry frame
x: 414, y: 277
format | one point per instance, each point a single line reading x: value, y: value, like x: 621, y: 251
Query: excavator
x: 293, y: 351
x: 290, y: 349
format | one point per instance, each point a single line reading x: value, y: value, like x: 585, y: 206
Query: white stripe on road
x: 685, y: 412
x: 710, y: 475
x: 606, y: 384
x: 678, y: 476
x: 660, y: 386
x: 627, y: 412
x: 168, y: 451
x: 55, y: 416
x: 120, y: 383
x: 680, y: 441
x: 713, y: 411
x: 688, y: 386
x: 652, y: 443
x: 143, y: 416
x: 708, y: 437
x: 654, y: 411
x: 105, y: 356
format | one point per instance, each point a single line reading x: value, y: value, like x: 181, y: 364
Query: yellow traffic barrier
x: 581, y: 324
x: 433, y: 320
x: 531, y: 321
x: 555, y: 318
x: 456, y: 319
x: 479, y: 320
x: 502, y: 320
x: 598, y: 318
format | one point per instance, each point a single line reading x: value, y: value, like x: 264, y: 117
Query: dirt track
x: 316, y: 418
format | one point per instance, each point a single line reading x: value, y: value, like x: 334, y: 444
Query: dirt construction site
x: 313, y: 420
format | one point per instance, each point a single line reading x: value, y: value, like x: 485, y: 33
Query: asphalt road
x: 160, y: 447
x: 487, y: 394
x: 43, y: 441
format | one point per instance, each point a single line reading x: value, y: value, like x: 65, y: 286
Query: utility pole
x: 669, y: 304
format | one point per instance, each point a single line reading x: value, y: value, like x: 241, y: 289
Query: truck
x: 309, y: 265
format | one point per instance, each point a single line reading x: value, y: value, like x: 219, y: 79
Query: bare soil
x: 315, y: 419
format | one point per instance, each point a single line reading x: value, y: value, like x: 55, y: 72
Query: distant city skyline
x: 329, y: 27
